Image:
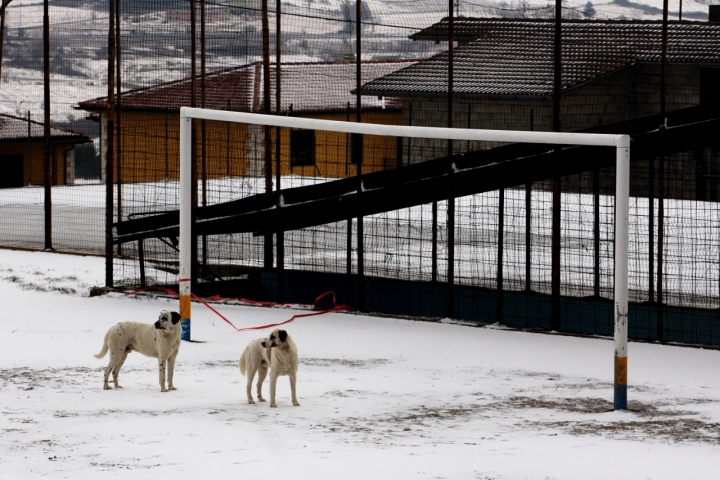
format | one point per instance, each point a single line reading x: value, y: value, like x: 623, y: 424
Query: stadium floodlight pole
x: 186, y: 197
x: 622, y: 193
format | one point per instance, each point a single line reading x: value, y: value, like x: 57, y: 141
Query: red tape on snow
x: 335, y: 308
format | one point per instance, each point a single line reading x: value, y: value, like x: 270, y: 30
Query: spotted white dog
x: 160, y: 340
x: 277, y: 353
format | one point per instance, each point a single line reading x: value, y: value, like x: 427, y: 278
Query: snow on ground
x: 381, y: 397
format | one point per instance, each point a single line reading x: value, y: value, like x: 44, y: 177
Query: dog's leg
x: 116, y: 370
x: 171, y: 370
x: 293, y: 379
x: 250, y: 376
x: 262, y: 373
x: 273, y: 384
x: 114, y: 355
x: 109, y: 368
x: 161, y: 366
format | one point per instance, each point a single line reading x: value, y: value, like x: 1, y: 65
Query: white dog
x: 160, y: 340
x: 279, y: 353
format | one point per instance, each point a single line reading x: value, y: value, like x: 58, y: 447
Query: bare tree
x: 3, y: 7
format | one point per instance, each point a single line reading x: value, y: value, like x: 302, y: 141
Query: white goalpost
x: 622, y: 193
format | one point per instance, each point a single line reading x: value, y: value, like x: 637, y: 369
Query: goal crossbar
x: 622, y: 196
x: 507, y: 136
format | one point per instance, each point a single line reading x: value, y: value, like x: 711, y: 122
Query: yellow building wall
x: 333, y: 149
x: 150, y: 148
x: 34, y: 164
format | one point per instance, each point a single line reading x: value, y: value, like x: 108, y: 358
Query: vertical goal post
x: 622, y: 196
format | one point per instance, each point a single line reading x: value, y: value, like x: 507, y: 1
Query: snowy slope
x: 156, y: 49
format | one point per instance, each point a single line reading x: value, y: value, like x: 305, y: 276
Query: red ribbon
x: 335, y: 308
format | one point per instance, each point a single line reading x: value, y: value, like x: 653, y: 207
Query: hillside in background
x: 156, y: 40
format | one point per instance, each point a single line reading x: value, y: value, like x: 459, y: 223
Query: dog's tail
x: 243, y: 362
x: 105, y: 347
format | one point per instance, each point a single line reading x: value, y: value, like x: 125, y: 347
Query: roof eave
x: 456, y: 95
x: 104, y: 108
x: 325, y: 111
x: 676, y: 63
x: 53, y: 140
x: 442, y: 38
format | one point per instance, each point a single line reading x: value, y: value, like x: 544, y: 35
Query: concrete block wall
x: 498, y: 114
x: 626, y: 94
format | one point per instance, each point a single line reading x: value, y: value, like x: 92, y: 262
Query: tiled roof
x: 308, y: 87
x: 515, y: 57
x: 16, y: 128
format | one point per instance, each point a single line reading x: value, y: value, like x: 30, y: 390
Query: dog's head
x: 276, y: 339
x: 167, y: 320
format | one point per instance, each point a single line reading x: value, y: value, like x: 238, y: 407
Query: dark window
x: 707, y: 162
x: 399, y: 153
x: 12, y: 171
x: 709, y: 84
x: 356, y: 148
x: 302, y: 148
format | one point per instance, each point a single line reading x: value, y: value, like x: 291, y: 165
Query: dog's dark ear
x: 175, y: 317
x: 283, y: 335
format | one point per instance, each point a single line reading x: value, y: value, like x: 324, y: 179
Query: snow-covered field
x: 381, y: 397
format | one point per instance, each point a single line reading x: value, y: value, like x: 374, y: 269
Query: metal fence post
x: 596, y: 233
x: 118, y: 117
x: 267, y: 142
x: 528, y: 226
x: 451, y: 193
x: 651, y: 230
x: 361, y: 153
x: 193, y: 134
x: 501, y: 235
x: 110, y: 150
x: 661, y: 172
x: 451, y: 247
x: 29, y: 146
x: 141, y: 260
x: 557, y: 185
x: 280, y: 235
x: 47, y: 136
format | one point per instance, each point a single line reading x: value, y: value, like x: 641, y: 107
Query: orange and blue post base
x: 185, y: 308
x: 621, y: 383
